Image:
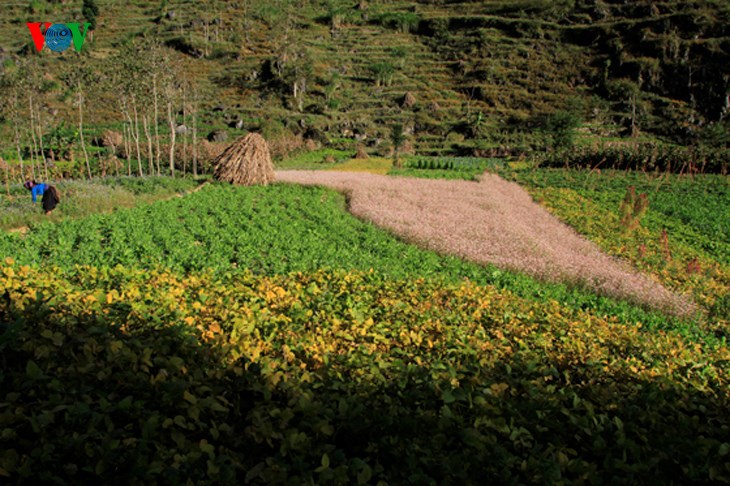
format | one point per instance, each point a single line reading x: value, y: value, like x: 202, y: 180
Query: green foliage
x: 90, y: 11
x: 383, y: 73
x: 398, y: 52
x: 560, y: 127
x: 448, y: 174
x: 438, y: 31
x: 147, y: 377
x: 660, y: 66
x: 716, y: 135
x: 272, y: 13
x: 397, y: 138
x: 687, y: 216
x: 314, y: 159
x: 449, y: 167
x: 276, y: 230
x: 151, y: 184
x: 402, y: 21
x: 337, y: 15
x: 81, y: 199
x: 645, y: 157
x: 633, y: 207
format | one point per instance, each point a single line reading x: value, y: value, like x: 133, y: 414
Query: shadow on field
x: 89, y: 401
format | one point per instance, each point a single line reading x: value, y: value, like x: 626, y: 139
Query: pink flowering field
x: 490, y: 221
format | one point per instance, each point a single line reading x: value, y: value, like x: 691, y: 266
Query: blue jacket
x: 38, y: 190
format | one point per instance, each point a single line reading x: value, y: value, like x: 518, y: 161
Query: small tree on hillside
x: 90, y: 11
x: 397, y: 138
x: 560, y: 126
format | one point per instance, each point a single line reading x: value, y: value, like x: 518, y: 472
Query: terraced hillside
x: 461, y: 77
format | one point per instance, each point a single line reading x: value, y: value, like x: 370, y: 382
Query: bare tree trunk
x: 40, y: 140
x: 20, y: 155
x: 116, y: 159
x: 6, y: 166
x: 195, y: 141
x: 157, y: 126
x: 34, y: 152
x: 148, y: 136
x: 185, y: 136
x: 81, y: 130
x: 171, y: 120
x: 136, y: 137
x: 218, y: 26
x: 207, y: 36
x: 128, y: 149
x: 16, y: 122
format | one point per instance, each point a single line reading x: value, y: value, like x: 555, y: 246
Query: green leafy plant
x: 397, y: 138
x: 146, y: 376
x: 383, y: 73
x: 90, y: 11
x: 403, y: 21
x: 226, y: 229
x: 560, y: 127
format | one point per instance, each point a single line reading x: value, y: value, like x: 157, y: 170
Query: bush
x: 383, y: 73
x: 402, y: 21
x: 560, y: 127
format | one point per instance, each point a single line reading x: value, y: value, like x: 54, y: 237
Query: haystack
x: 361, y: 153
x: 247, y: 162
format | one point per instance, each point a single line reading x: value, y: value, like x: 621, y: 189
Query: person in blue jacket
x: 48, y: 193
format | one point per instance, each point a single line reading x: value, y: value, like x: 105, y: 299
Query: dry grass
x: 493, y: 221
x: 247, y: 162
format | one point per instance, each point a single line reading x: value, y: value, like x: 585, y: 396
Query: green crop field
x: 163, y: 327
x: 333, y: 377
x: 683, y: 238
x: 265, y: 334
x: 82, y: 198
x: 274, y: 230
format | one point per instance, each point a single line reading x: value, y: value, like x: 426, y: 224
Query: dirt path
x: 492, y: 221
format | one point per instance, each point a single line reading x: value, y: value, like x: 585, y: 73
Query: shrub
x: 402, y: 21
x: 383, y: 73
x: 560, y: 127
